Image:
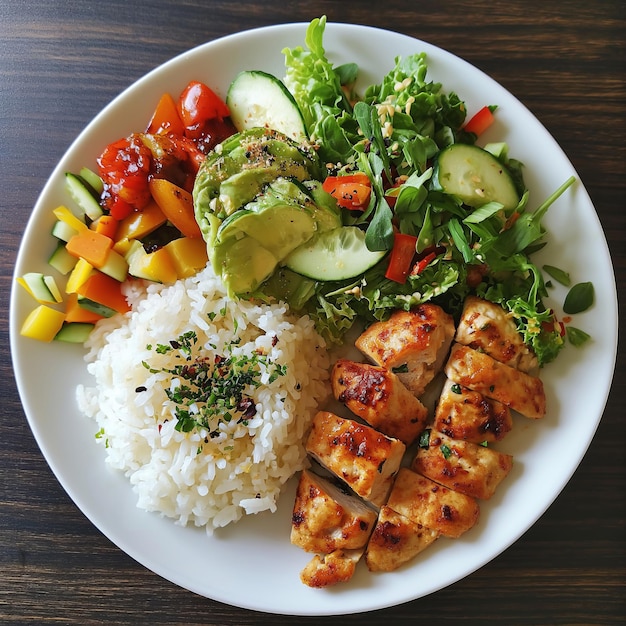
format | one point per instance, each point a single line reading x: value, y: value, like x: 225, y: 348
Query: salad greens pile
x: 394, y: 132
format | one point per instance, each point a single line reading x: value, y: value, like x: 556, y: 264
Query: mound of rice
x: 205, y: 478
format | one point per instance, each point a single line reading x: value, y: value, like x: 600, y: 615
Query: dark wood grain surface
x: 61, y: 61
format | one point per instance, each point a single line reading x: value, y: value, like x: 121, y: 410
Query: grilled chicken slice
x: 325, y: 570
x: 377, y: 395
x: 414, y: 344
x: 462, y: 466
x: 326, y: 518
x: 395, y: 540
x: 487, y: 327
x: 362, y: 457
x: 465, y: 414
x: 432, y: 505
x: 480, y: 372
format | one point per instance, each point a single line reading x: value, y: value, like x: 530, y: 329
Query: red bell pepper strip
x: 422, y: 264
x: 480, y: 121
x: 401, y: 257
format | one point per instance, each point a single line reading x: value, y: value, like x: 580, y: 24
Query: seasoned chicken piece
x: 462, y: 466
x: 324, y: 570
x: 376, y: 395
x: 395, y: 540
x: 487, y: 327
x: 465, y: 414
x: 480, y: 372
x: 326, y: 518
x: 413, y: 344
x: 432, y: 505
x: 363, y: 458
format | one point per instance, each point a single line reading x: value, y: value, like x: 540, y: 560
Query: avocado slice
x: 278, y: 221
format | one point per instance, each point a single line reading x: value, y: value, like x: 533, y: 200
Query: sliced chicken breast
x: 432, y: 505
x: 377, y: 395
x: 365, y: 459
x: 480, y: 372
x: 465, y: 414
x: 413, y: 344
x: 487, y: 327
x: 326, y: 518
x: 325, y: 570
x: 462, y: 466
x: 395, y: 541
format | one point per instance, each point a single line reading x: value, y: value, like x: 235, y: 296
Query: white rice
x: 192, y: 477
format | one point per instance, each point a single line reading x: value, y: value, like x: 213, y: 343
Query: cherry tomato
x: 124, y: 167
x: 351, y: 192
x: 199, y: 103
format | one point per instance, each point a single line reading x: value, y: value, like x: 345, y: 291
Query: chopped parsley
x: 208, y: 391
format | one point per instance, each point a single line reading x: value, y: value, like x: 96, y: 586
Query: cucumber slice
x: 84, y: 196
x: 43, y: 288
x: 474, y: 176
x: 61, y: 260
x: 336, y: 254
x: 258, y: 99
x: 63, y: 231
x: 92, y: 179
x: 74, y: 332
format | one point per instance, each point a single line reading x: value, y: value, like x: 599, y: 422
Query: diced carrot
x: 76, y: 313
x: 91, y: 246
x: 140, y: 223
x: 176, y: 204
x: 106, y: 225
x: 166, y: 118
x: 105, y: 290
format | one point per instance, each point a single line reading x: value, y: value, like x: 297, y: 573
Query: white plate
x: 252, y: 563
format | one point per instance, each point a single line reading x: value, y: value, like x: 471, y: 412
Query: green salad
x: 356, y: 204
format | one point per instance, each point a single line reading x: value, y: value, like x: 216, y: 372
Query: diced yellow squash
x: 122, y: 246
x: 65, y: 215
x: 140, y: 223
x: 156, y: 266
x: 81, y: 272
x: 43, y: 323
x: 189, y: 255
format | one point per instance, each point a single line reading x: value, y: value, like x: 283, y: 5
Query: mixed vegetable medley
x: 347, y: 205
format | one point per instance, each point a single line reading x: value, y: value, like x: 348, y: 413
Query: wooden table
x: 61, y: 62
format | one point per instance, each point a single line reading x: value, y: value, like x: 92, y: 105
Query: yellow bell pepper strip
x: 81, y: 272
x: 42, y: 323
x: 63, y: 214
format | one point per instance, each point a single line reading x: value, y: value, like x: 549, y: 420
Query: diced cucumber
x: 74, y: 332
x: 84, y: 196
x: 43, y: 288
x: 115, y: 266
x: 63, y: 231
x: 61, y: 260
x: 258, y: 99
x: 92, y: 179
x: 336, y: 254
x: 474, y: 176
x: 96, y: 307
